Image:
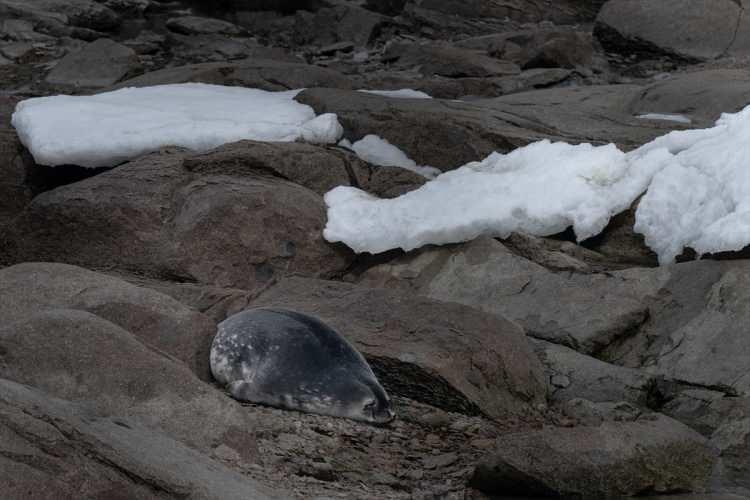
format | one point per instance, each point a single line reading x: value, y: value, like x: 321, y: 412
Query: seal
x: 289, y: 360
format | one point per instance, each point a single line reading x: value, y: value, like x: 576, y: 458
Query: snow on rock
x: 701, y: 199
x: 400, y: 94
x: 669, y: 117
x: 110, y: 128
x: 697, y: 183
x: 377, y: 151
x: 539, y: 189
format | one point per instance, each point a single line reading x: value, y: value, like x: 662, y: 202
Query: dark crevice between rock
x: 412, y: 382
x: 660, y: 391
x: 613, y: 43
x: 40, y: 178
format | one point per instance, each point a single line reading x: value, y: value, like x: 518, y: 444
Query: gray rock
x: 319, y: 169
x: 558, y: 49
x: 127, y: 7
x: 653, y: 453
x: 75, y: 453
x: 447, y: 355
x: 154, y: 217
x: 696, y: 334
x: 561, y: 12
x: 343, y: 23
x: 78, y: 13
x: 699, y: 95
x: 590, y: 414
x: 15, y: 192
x: 598, y: 114
x: 573, y: 375
x: 81, y: 357
x: 585, y: 311
x: 445, y: 60
x: 99, y: 64
x: 155, y: 319
x: 687, y: 30
x: 194, y: 25
x: 256, y: 73
x: 732, y: 440
x: 460, y: 132
x: 457, y: 132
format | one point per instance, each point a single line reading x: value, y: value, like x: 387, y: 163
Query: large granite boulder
x: 652, y: 453
x: 688, y: 30
x: 156, y: 320
x: 155, y: 218
x: 81, y: 357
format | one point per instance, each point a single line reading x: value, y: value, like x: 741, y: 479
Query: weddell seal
x: 290, y: 360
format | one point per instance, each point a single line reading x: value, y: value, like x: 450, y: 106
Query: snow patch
x: 666, y: 117
x: 400, y: 94
x: 697, y: 185
x: 110, y: 128
x: 378, y: 151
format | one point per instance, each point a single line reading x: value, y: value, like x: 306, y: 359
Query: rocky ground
x: 525, y: 367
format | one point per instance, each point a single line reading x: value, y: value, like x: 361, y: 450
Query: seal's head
x: 366, y: 401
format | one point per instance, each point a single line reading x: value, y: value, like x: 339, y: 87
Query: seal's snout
x: 382, y: 412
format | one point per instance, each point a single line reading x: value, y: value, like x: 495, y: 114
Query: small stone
x: 440, y: 461
x: 336, y: 47
x: 225, y: 453
x: 561, y: 381
x: 432, y: 440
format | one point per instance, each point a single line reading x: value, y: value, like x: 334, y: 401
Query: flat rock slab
x: 81, y: 357
x: 264, y: 74
x: 156, y: 320
x: 652, y: 454
x: 696, y: 334
x: 447, y: 355
x: 97, y: 65
x: 194, y: 25
x: 75, y: 453
x: 584, y: 311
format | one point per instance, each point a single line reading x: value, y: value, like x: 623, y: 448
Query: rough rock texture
x: 343, y: 23
x: 585, y: 311
x: 153, y: 217
x: 651, y: 454
x: 448, y: 61
x: 456, y: 132
x: 574, y: 375
x: 78, y: 356
x: 699, y: 315
x: 690, y: 30
x: 78, y: 13
x: 317, y: 168
x: 194, y: 25
x: 256, y: 73
x: 460, y: 132
x: 99, y: 64
x: 15, y: 193
x: 699, y: 95
x: 54, y: 449
x: 447, y: 355
x: 155, y: 319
